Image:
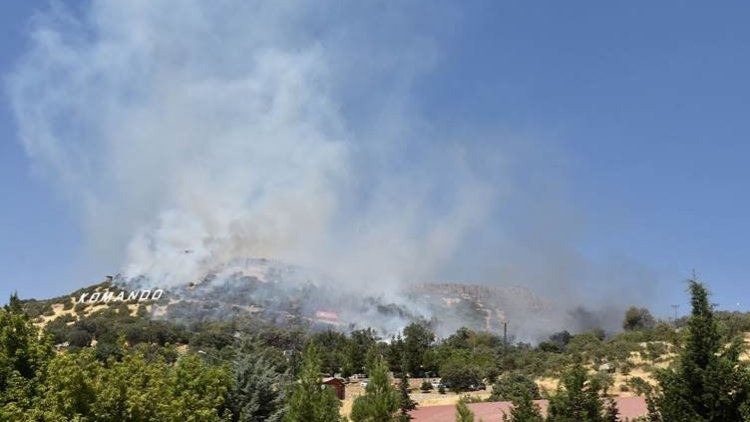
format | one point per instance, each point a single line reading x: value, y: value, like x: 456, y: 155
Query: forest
x: 113, y: 365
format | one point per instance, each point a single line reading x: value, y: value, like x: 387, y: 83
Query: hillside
x: 283, y: 295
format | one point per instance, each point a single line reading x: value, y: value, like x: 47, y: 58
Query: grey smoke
x: 187, y: 134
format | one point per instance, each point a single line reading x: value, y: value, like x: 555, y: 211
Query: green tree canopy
x: 514, y: 386
x: 638, y: 319
x: 576, y: 399
x: 524, y: 410
x: 25, y: 353
x: 407, y: 404
x: 381, y: 400
x: 463, y: 413
x: 309, y: 401
x: 709, y: 382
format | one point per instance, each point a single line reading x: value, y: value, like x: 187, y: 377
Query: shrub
x: 513, y: 387
x: 458, y: 374
x: 639, y: 386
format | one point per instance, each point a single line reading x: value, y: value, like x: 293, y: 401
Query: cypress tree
x: 381, y: 400
x: 524, y: 410
x: 611, y: 412
x: 407, y: 404
x: 577, y: 398
x: 309, y: 401
x: 463, y: 413
x: 708, y: 383
x: 256, y: 394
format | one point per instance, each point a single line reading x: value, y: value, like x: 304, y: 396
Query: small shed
x: 337, y: 385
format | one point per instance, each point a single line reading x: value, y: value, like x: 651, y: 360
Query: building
x: 337, y: 385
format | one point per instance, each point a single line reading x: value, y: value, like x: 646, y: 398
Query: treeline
x: 120, y: 367
x: 706, y: 383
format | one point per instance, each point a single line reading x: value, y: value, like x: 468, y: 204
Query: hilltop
x: 283, y: 295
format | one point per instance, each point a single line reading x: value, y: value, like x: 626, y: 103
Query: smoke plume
x: 188, y: 134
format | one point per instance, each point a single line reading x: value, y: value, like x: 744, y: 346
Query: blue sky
x: 39, y: 237
x: 645, y: 105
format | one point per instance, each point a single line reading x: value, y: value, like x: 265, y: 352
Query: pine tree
x: 524, y: 410
x: 577, y: 398
x: 309, y: 402
x: 14, y: 306
x: 407, y: 404
x: 709, y: 383
x: 611, y: 411
x: 463, y: 413
x: 256, y: 394
x: 381, y: 400
x: 417, y: 340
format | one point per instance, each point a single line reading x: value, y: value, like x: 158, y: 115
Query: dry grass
x: 433, y: 398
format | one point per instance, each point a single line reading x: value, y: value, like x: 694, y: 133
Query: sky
x: 633, y: 113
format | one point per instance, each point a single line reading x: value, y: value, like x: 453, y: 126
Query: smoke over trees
x: 278, y: 137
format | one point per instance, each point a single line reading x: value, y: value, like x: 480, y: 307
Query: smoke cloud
x: 191, y: 133
x: 188, y: 134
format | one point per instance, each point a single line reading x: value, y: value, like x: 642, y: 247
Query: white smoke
x: 191, y: 133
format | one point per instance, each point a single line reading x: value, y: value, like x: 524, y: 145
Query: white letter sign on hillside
x: 109, y: 297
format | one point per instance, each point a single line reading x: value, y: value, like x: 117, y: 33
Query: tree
x: 426, y: 386
x: 638, y: 319
x: 197, y: 391
x: 463, y: 413
x: 123, y: 389
x: 417, y: 341
x: 14, y: 306
x: 78, y: 338
x: 24, y: 356
x: 81, y: 388
x: 576, y: 399
x: 355, y: 352
x: 709, y: 382
x: 70, y: 393
x: 524, y: 410
x: 603, y: 380
x: 308, y: 402
x: 407, y: 404
x: 333, y: 346
x: 513, y: 387
x: 257, y: 394
x: 611, y: 412
x: 556, y: 343
x: 459, y: 374
x: 639, y: 386
x: 381, y: 400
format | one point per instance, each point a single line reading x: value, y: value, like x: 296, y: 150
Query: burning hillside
x: 283, y: 294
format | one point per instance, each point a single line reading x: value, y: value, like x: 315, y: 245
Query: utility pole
x: 675, y: 307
